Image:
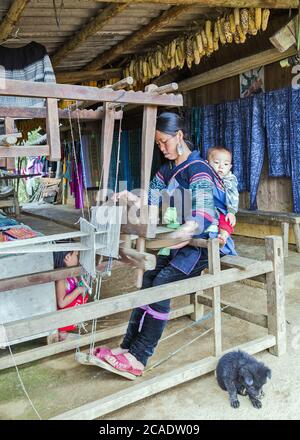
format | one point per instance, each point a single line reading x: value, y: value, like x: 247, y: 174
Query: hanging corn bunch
x: 190, y: 49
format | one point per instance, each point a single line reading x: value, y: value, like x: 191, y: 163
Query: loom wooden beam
x: 119, y: 49
x: 67, y: 77
x: 84, y: 93
x: 119, y: 85
x: 128, y: 301
x: 14, y: 151
x: 64, y: 346
x: 52, y: 124
x: 40, y: 113
x: 11, y: 18
x: 107, y: 136
x: 235, y: 68
x: 39, y: 278
x: 95, y: 25
x: 276, y: 4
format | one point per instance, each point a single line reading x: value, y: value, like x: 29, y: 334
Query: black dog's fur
x: 239, y: 373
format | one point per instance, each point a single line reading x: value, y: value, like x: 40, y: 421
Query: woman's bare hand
x: 186, y: 231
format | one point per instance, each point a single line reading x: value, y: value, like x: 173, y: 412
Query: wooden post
x: 296, y: 228
x: 148, y: 134
x: 285, y: 238
x: 53, y: 135
x: 9, y: 126
x: 127, y: 240
x: 140, y: 246
x: 276, y: 294
x: 214, y: 267
x: 198, y: 308
x: 107, y: 136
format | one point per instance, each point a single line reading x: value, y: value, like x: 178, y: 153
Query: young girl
x: 68, y: 292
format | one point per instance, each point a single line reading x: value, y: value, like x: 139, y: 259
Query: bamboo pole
x: 11, y: 18
x: 120, y: 48
x: 67, y: 77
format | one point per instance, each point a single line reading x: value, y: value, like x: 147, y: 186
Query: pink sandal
x: 101, y: 352
x: 122, y: 364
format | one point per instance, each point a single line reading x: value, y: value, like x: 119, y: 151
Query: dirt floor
x: 58, y: 384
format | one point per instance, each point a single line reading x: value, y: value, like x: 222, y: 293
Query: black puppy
x: 240, y: 373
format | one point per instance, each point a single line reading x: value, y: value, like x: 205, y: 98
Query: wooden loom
x: 237, y: 269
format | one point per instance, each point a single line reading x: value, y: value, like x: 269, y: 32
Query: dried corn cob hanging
x: 258, y: 17
x: 180, y: 53
x: 209, y: 35
x: 252, y: 28
x: 241, y: 34
x: 236, y: 13
x: 220, y: 30
x: 197, y: 56
x: 189, y: 52
x: 227, y: 32
x: 216, y: 32
x: 204, y: 40
x: 265, y: 19
x: 232, y: 23
x: 236, y: 37
x: 199, y: 43
x: 244, y: 18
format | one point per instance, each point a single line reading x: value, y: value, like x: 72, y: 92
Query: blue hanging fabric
x: 221, y: 124
x: 209, y: 128
x: 245, y: 115
x: 239, y: 126
x: 295, y: 146
x: 196, y: 127
x: 278, y: 132
x: 257, y: 146
x: 233, y: 141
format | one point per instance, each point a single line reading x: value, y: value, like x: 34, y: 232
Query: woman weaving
x: 185, y: 171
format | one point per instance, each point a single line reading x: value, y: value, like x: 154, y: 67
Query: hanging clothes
x: 27, y: 63
x: 295, y: 146
x: 256, y: 149
x: 209, y: 128
x: 278, y: 132
x: 233, y: 141
x: 239, y: 126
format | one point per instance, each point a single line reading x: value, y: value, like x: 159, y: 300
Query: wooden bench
x: 284, y: 219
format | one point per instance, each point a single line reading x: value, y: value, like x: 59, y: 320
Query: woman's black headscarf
x: 170, y: 123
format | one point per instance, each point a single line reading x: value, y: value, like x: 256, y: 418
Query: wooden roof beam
x: 11, y: 18
x: 133, y: 40
x: 235, y: 68
x: 95, y: 25
x: 276, y: 4
x: 72, y: 77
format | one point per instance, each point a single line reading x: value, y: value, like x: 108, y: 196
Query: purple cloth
x: 76, y: 185
x: 154, y: 314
